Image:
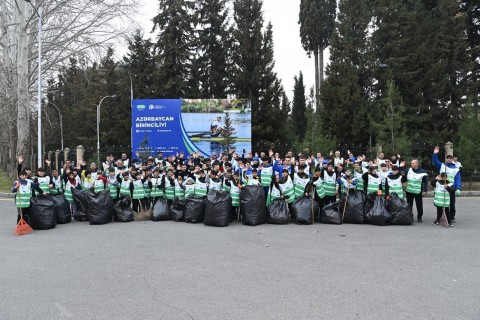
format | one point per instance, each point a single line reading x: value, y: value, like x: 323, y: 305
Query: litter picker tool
x: 443, y: 219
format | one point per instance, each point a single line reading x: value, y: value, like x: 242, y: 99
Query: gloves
x: 457, y: 192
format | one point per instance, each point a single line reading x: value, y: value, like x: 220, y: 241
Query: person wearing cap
x: 215, y: 127
x: 23, y: 187
x: 330, y: 184
x: 454, y: 176
x: 443, y: 188
x: 372, y: 182
x: 417, y: 186
x: 300, y: 180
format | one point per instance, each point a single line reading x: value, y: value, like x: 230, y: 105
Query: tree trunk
x: 23, y: 109
x: 317, y: 82
x: 320, y: 71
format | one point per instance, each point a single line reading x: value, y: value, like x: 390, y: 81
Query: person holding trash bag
x: 443, y: 188
x: 372, y: 182
x: 393, y: 183
x: 286, y: 186
x: 454, y: 175
x: 417, y: 186
x: 300, y: 181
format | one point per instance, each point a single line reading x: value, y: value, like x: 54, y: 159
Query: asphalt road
x: 168, y: 270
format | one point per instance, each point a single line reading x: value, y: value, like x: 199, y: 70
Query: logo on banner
x: 151, y: 107
x: 141, y: 107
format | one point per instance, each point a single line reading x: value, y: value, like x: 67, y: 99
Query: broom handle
x: 345, y: 206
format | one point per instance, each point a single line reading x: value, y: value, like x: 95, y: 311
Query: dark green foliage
x: 174, y: 47
x: 469, y: 143
x: 299, y: 107
x: 228, y: 134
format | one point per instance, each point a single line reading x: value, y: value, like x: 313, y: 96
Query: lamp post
x: 127, y: 66
x: 61, y: 121
x: 98, y: 126
x: 39, y: 93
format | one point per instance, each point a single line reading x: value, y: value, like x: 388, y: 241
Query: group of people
x: 324, y: 178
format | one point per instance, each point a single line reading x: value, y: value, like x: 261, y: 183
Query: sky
x: 290, y: 58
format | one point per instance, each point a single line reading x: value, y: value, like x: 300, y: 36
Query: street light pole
x: 98, y: 126
x: 39, y: 93
x: 61, y: 121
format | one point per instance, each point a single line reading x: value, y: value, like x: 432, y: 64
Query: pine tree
x: 253, y: 75
x: 471, y: 11
x: 317, y: 22
x: 345, y: 91
x: 213, y: 45
x: 175, y: 22
x: 469, y: 145
x: 228, y: 140
x: 299, y: 107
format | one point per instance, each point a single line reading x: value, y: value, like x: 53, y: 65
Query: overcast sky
x: 290, y: 58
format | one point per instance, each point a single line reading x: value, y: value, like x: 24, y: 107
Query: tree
x: 299, y: 107
x: 212, y: 49
x: 253, y: 64
x: 469, y: 145
x: 228, y: 140
x: 174, y: 49
x: 317, y: 22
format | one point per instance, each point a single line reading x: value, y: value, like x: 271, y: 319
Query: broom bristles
x: 22, y: 228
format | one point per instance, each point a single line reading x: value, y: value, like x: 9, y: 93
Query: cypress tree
x: 299, y: 107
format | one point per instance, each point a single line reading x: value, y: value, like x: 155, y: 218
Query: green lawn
x: 5, y: 182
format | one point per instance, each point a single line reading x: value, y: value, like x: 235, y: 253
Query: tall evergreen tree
x: 317, y: 22
x: 471, y: 10
x: 211, y: 65
x: 299, y: 107
x: 175, y: 22
x: 468, y: 143
x: 253, y: 64
x: 345, y: 91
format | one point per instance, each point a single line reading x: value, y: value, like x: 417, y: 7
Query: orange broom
x: 22, y: 226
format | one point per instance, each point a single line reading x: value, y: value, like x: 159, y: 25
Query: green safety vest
x: 288, y: 190
x: 442, y: 196
x: 200, y: 188
x: 373, y: 184
x: 395, y: 185
x: 148, y: 191
x: 189, y: 189
x: 359, y: 177
x: 215, y: 185
x: 87, y: 184
x: 266, y: 176
x: 24, y: 193
x: 179, y: 192
x: 125, y: 188
x: 68, y: 192
x: 235, y: 194
x: 138, y: 190
x: 58, y: 186
x: 169, y: 190
x: 299, y: 185
x: 112, y: 188
x: 330, y: 184
x: 156, y: 191
x: 44, y: 181
x: 99, y: 185
x: 414, y: 182
x: 451, y: 172
x: 320, y: 188
x: 273, y: 193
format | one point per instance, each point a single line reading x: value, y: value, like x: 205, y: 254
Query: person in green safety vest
x: 23, y: 188
x: 441, y: 200
x: 372, y: 182
x: 393, y: 183
x: 417, y: 186
x: 45, y: 181
x: 330, y: 184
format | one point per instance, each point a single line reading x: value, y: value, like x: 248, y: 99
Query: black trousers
x: 448, y: 213
x: 418, y: 201
x: 329, y: 199
x: 25, y: 213
x: 452, y: 205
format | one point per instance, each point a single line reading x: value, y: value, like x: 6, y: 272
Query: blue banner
x: 174, y: 126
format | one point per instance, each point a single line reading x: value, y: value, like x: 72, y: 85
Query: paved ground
x: 168, y: 270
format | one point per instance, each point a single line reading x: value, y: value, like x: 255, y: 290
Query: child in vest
x: 147, y: 186
x: 72, y: 182
x: 23, y: 188
x: 88, y: 181
x: 137, y: 191
x: 112, y: 184
x: 99, y: 182
x: 45, y: 181
x: 58, y: 183
x: 442, y: 189
x: 157, y: 187
x: 347, y: 182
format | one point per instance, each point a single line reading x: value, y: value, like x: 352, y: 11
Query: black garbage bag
x: 400, y: 210
x: 81, y: 203
x: 301, y: 210
x: 355, y: 210
x: 378, y: 214
x: 161, y: 210
x: 252, y: 205
x: 277, y: 212
x: 99, y: 207
x: 42, y: 213
x: 177, y: 210
x: 332, y: 213
x: 62, y: 208
x: 122, y: 210
x: 218, y: 208
x: 195, y: 209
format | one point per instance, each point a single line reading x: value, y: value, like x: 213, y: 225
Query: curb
x: 7, y: 195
